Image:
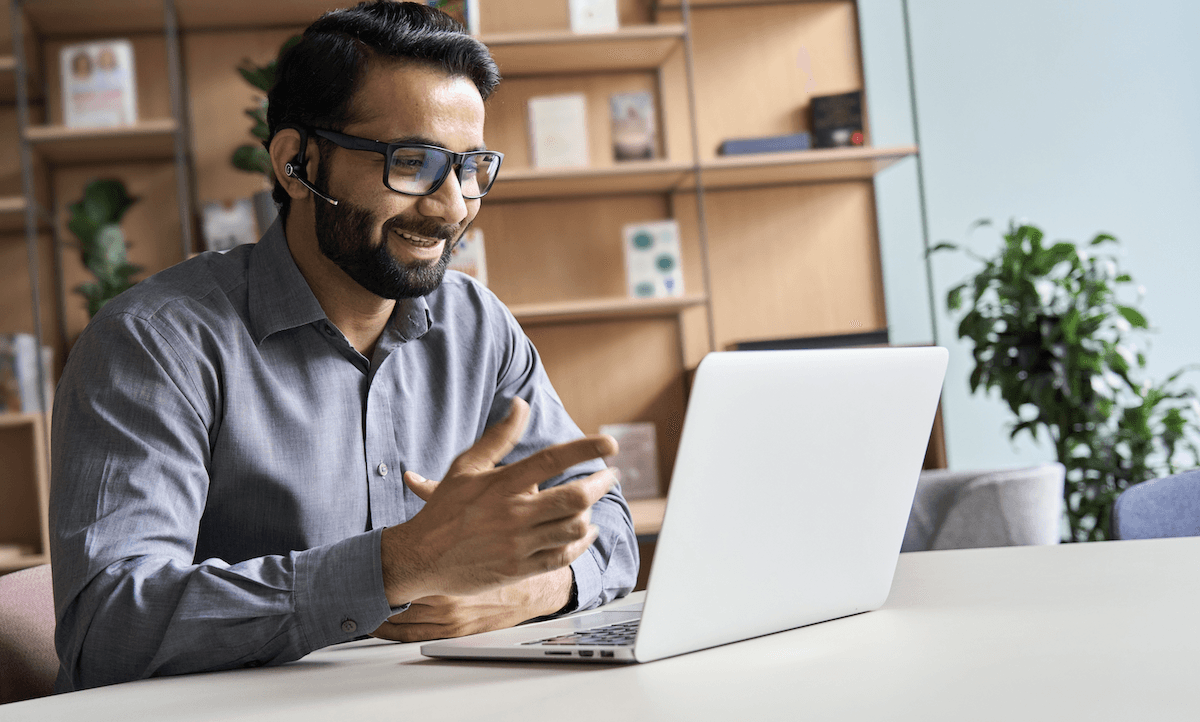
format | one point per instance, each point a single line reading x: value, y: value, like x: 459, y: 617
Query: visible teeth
x: 418, y: 240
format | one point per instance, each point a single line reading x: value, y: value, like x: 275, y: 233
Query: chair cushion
x: 28, y: 663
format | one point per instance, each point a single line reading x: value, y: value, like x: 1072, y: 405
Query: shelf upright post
x: 698, y: 171
x: 31, y: 251
x: 179, y: 109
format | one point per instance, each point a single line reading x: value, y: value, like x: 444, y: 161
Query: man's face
x: 393, y: 245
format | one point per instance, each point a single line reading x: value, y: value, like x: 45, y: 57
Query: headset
x: 295, y: 167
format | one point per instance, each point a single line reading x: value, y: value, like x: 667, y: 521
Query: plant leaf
x: 1133, y: 316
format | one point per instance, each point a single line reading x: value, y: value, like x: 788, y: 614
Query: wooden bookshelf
x: 148, y: 140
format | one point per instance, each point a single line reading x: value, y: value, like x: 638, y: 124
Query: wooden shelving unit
x: 774, y: 246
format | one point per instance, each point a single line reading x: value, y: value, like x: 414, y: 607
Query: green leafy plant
x: 95, y: 221
x: 1053, y: 335
x: 254, y: 158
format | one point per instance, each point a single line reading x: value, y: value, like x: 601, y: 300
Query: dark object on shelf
x: 837, y: 120
x: 769, y: 144
x: 845, y: 340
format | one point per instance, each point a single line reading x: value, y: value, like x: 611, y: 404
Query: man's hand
x: 445, y: 617
x: 484, y: 527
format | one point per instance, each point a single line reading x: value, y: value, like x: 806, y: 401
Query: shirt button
x: 329, y: 331
x: 349, y: 626
x: 382, y: 469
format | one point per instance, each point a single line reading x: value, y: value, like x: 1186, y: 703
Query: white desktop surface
x: 1100, y: 631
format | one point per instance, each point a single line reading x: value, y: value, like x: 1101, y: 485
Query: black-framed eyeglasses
x: 417, y: 169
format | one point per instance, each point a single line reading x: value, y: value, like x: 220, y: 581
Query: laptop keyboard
x: 613, y: 635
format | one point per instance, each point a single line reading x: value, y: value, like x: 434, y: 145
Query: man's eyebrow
x: 423, y: 140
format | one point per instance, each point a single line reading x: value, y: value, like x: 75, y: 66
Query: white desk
x: 1102, y: 631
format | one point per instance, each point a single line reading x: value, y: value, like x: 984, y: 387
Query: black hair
x: 317, y: 77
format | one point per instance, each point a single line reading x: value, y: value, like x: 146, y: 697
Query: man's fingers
x: 567, y: 500
x: 419, y: 485
x: 554, y: 460
x: 559, y: 557
x: 496, y: 442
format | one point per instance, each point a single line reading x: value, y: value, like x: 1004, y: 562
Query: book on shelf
x: 558, y: 131
x: 468, y: 256
x: 633, y: 125
x: 228, y: 226
x: 653, y: 268
x: 636, y: 458
x: 837, y: 120
x: 98, y: 84
x: 593, y: 16
x: 768, y: 144
x: 19, y: 382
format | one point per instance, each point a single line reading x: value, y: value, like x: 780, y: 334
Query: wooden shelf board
x: 148, y: 140
x: 630, y: 177
x: 603, y: 309
x: 12, y: 218
x: 94, y: 18
x: 16, y: 562
x: 647, y: 515
x: 8, y: 79
x: 9, y: 419
x: 639, y: 47
x: 231, y: 14
x: 803, y: 166
x: 742, y: 171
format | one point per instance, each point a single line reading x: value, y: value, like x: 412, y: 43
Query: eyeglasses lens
x: 419, y: 170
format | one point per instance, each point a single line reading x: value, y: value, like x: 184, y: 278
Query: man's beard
x: 346, y: 236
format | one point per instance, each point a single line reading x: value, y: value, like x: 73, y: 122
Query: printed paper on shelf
x: 594, y: 16
x: 558, y: 131
x: 226, y: 227
x: 636, y: 457
x: 468, y: 256
x: 633, y: 128
x: 99, y: 84
x: 19, y: 380
x: 652, y: 260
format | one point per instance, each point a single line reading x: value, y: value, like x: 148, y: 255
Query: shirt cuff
x: 339, y: 590
x: 588, y: 583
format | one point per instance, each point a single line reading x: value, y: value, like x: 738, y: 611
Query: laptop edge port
x: 586, y: 653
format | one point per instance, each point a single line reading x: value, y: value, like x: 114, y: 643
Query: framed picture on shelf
x: 98, y: 84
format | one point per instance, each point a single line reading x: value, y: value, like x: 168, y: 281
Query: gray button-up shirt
x: 224, y: 462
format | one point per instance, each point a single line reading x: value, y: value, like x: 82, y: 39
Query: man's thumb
x: 420, y: 486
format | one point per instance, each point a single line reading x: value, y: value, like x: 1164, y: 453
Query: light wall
x: 1077, y: 115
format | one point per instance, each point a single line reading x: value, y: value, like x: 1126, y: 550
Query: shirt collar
x: 281, y: 299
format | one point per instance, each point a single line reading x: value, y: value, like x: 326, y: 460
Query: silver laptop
x: 788, y: 502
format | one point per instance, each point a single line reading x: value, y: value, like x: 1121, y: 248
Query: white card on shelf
x: 558, y: 131
x: 653, y: 267
x: 594, y: 16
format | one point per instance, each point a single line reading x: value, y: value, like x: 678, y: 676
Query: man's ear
x: 285, y: 146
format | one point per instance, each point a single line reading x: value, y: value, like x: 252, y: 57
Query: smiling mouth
x: 419, y: 241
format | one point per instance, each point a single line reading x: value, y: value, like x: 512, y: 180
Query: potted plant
x: 95, y: 221
x: 254, y: 158
x: 1054, y: 332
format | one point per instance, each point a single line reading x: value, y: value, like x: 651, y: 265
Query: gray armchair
x: 968, y: 509
x: 28, y: 663
x: 1167, y: 507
